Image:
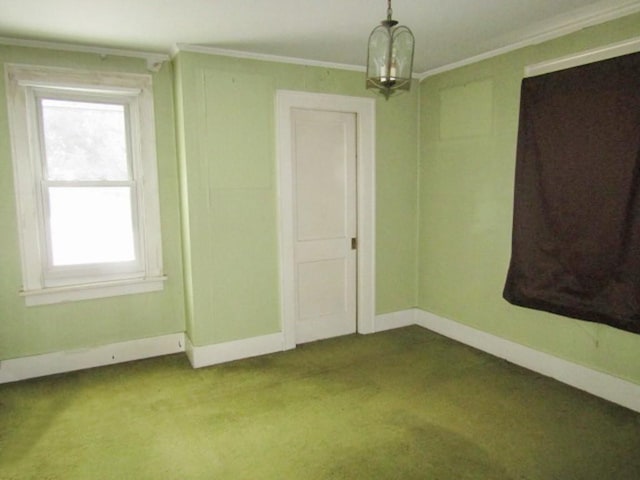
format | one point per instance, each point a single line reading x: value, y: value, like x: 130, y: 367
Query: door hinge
x: 354, y: 243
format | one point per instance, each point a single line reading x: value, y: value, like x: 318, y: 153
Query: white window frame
x: 43, y: 284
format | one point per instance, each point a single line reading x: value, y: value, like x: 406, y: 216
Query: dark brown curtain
x: 576, y: 220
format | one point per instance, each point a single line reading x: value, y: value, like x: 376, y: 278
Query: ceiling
x: 448, y: 32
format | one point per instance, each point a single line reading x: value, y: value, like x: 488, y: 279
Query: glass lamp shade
x: 390, y: 58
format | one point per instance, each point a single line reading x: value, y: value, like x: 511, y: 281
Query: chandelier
x: 390, y: 57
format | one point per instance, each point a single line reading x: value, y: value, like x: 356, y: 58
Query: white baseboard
x: 603, y: 385
x: 15, y: 369
x: 597, y: 383
x: 235, y: 350
x: 389, y: 321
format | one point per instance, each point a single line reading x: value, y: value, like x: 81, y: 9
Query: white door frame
x: 364, y: 109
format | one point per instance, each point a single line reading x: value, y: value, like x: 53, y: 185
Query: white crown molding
x: 187, y: 47
x: 599, y: 13
x: 154, y: 60
x: 588, y: 56
x: 548, y: 31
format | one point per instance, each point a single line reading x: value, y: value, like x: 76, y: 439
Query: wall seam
x: 418, y: 191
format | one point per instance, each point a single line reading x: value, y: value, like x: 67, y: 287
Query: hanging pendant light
x: 390, y: 57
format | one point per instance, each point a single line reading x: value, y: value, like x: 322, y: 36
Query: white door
x: 324, y: 188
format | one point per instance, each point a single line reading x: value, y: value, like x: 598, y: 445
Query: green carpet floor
x: 404, y: 404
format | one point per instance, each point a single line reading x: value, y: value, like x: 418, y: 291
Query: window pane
x: 84, y: 141
x: 91, y: 225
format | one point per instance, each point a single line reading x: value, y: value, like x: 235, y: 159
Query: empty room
x: 298, y: 239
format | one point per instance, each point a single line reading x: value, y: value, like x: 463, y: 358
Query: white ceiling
x: 334, y: 31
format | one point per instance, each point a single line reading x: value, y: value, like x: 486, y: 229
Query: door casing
x: 364, y: 109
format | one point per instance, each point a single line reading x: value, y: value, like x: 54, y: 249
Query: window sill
x: 47, y: 296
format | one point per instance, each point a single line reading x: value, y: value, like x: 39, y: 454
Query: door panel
x: 324, y: 172
x: 321, y: 288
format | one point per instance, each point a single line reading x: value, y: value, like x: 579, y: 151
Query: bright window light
x: 91, y: 225
x: 86, y: 172
x: 86, y: 180
x: 84, y: 141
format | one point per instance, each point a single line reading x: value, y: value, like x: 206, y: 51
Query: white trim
x: 631, y: 45
x: 392, y: 320
x: 88, y: 291
x: 59, y: 362
x: 364, y: 108
x: 235, y: 350
x: 154, y: 60
x: 471, y: 60
x: 41, y: 281
x: 591, y: 16
x: 603, y: 385
x: 186, y: 47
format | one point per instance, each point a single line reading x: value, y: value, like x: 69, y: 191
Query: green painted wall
x: 469, y: 120
x: 219, y: 206
x: 34, y: 330
x: 228, y: 168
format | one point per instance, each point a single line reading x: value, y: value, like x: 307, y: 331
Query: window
x: 576, y: 219
x: 86, y: 183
